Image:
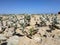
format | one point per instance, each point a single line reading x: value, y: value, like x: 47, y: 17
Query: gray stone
x: 14, y: 40
x: 2, y: 37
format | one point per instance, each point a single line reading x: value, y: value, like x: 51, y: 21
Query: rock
x: 19, y: 31
x: 2, y: 37
x: 9, y: 32
x: 56, y: 26
x: 18, y: 25
x: 42, y: 30
x: 14, y: 40
x: 4, y: 23
x: 37, y: 38
x: 26, y: 41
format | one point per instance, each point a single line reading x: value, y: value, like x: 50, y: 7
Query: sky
x: 29, y: 6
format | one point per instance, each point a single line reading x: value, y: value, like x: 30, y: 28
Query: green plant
x: 27, y: 17
x: 55, y: 20
x: 0, y: 18
x: 23, y: 26
x: 47, y: 18
x: 31, y: 31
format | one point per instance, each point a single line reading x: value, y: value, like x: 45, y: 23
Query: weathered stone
x: 14, y: 40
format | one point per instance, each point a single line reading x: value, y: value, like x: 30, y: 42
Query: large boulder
x: 14, y: 40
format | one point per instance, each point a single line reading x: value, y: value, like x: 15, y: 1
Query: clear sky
x: 29, y: 6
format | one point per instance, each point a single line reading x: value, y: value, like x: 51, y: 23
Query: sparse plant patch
x: 32, y: 31
x: 27, y: 17
x: 23, y: 26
